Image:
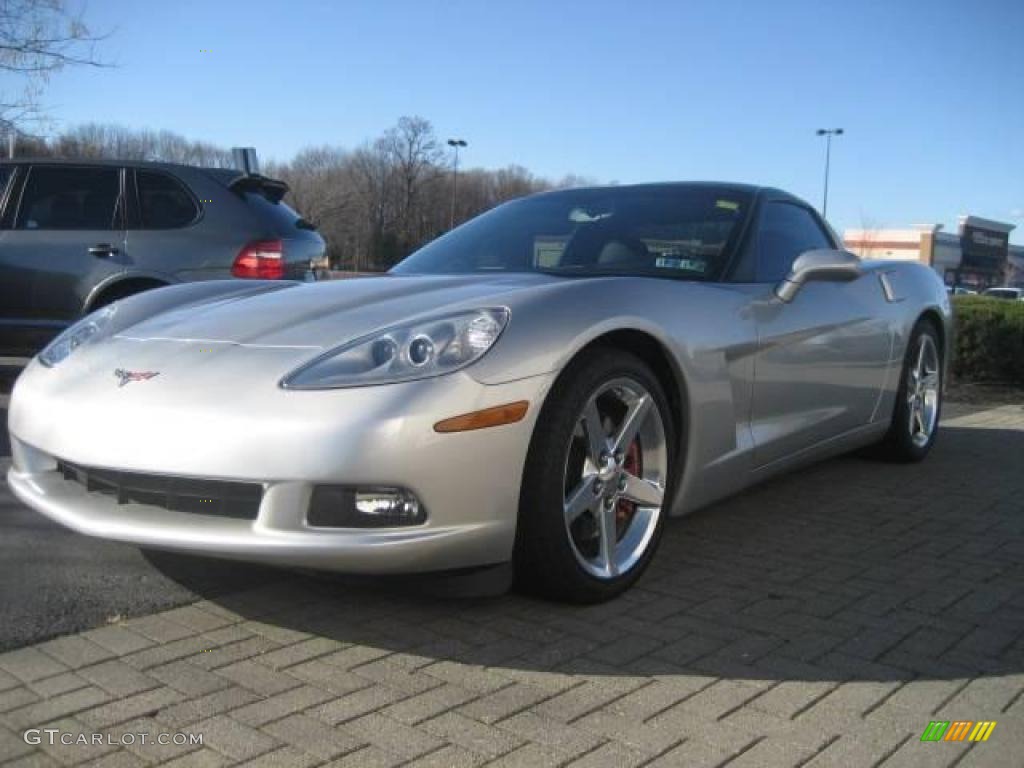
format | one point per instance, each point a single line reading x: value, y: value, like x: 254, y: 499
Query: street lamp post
x: 828, y: 133
x: 455, y: 144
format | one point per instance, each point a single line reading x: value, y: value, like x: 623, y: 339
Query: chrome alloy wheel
x: 616, y: 470
x: 923, y: 392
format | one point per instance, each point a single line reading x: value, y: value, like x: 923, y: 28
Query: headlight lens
x: 89, y: 328
x: 404, y: 353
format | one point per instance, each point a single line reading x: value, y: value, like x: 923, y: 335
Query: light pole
x: 828, y: 133
x: 455, y: 144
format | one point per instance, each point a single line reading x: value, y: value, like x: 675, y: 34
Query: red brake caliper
x: 633, y: 464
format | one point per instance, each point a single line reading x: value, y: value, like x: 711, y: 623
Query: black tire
x: 545, y: 560
x: 900, y: 443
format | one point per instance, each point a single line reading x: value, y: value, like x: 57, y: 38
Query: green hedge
x: 989, y: 339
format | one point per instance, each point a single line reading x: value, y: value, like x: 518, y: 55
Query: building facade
x: 978, y: 256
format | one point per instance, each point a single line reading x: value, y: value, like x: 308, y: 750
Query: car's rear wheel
x: 596, y: 488
x: 915, y: 420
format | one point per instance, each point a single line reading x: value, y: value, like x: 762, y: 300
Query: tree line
x: 373, y: 204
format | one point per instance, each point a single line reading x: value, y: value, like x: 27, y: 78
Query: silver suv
x: 75, y: 235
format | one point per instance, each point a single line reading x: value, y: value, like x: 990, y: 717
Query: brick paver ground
x: 820, y: 620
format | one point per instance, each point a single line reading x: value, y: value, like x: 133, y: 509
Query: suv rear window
x: 280, y: 216
x: 5, y: 174
x: 69, y: 198
x: 164, y: 203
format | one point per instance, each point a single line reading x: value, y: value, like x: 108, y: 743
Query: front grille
x: 217, y: 498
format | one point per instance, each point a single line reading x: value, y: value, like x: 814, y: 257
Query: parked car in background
x: 77, y: 235
x: 960, y: 290
x: 321, y: 267
x: 1005, y: 292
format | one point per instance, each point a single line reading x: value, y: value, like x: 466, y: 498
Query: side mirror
x: 821, y: 264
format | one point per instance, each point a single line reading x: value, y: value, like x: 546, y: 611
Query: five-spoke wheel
x: 597, y: 484
x: 615, y: 471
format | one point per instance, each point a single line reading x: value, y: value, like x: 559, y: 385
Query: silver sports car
x: 543, y: 385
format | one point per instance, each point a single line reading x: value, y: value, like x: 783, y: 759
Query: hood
x: 323, y: 315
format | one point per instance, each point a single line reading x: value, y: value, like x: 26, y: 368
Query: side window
x: 6, y: 214
x: 786, y: 231
x: 57, y: 197
x: 6, y: 171
x: 164, y: 203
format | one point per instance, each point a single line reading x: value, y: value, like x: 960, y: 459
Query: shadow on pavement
x: 54, y: 581
x: 849, y: 570
x: 5, y: 443
x: 9, y: 370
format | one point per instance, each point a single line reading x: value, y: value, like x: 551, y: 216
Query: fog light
x: 339, y: 506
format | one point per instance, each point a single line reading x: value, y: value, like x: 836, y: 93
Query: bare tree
x: 317, y: 177
x: 870, y: 230
x: 374, y: 189
x: 323, y: 186
x: 98, y: 140
x: 415, y: 155
x: 38, y: 38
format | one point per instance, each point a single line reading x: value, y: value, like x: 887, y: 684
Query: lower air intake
x: 215, y: 498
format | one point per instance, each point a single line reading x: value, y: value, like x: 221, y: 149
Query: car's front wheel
x: 597, y: 482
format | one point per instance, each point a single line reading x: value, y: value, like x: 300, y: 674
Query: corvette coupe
x: 542, y: 386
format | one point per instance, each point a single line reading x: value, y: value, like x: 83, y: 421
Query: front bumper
x: 288, y: 442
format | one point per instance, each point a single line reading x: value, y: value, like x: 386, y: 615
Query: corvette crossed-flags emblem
x: 124, y: 377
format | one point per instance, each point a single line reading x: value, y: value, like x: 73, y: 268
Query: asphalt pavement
x: 54, y: 581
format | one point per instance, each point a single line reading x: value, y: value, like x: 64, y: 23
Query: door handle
x: 102, y: 250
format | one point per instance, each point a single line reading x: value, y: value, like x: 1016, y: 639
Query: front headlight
x: 89, y: 328
x: 404, y: 353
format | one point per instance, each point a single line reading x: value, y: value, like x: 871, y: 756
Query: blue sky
x: 930, y: 93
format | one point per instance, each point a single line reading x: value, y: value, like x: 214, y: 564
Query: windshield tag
x: 693, y: 265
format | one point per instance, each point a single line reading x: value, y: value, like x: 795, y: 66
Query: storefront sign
x: 983, y: 248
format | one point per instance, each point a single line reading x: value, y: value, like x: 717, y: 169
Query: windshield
x: 681, y: 231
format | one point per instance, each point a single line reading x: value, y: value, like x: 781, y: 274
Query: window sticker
x: 693, y: 265
x: 728, y: 205
x: 583, y: 216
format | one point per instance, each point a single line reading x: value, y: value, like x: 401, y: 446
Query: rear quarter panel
x: 204, y: 250
x: 912, y: 290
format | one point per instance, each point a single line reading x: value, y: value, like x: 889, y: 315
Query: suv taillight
x: 260, y: 259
